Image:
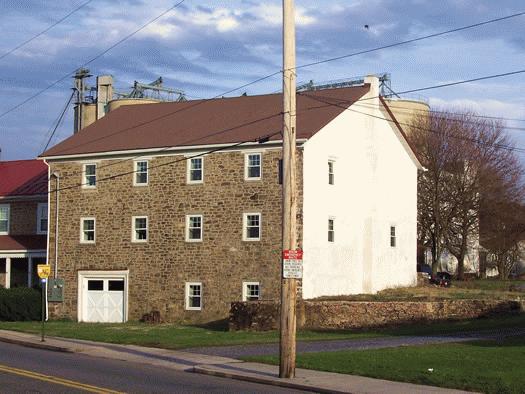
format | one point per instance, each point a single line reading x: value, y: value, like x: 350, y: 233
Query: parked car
x: 443, y: 279
x: 425, y: 269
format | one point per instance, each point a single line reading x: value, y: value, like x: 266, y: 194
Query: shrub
x: 20, y: 303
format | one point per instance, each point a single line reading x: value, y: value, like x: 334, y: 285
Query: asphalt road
x: 28, y: 370
x: 270, y: 349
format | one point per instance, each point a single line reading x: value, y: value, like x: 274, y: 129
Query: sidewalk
x: 317, y: 381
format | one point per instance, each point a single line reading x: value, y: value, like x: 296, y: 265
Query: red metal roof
x: 23, y: 242
x: 203, y: 122
x: 23, y: 178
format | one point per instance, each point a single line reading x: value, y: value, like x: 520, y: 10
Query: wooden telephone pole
x: 288, y: 285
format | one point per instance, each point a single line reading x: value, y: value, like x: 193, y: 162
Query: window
x: 251, y: 291
x: 252, y: 227
x: 90, y: 176
x: 195, y: 165
x: 41, y: 218
x: 4, y: 219
x: 331, y: 230
x: 194, y: 296
x: 393, y: 236
x: 141, y: 173
x: 193, y: 228
x: 331, y: 172
x: 140, y: 229
x: 87, y: 230
x: 252, y: 166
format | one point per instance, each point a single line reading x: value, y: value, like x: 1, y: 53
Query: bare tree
x: 467, y: 161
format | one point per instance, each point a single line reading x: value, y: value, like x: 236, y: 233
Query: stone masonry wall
x: 260, y: 316
x: 159, y: 268
x: 23, y: 217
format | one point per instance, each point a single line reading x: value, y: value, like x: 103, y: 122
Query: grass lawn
x: 487, y: 366
x: 492, y: 289
x: 171, y: 336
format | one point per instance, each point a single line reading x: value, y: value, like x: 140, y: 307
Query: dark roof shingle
x: 202, y: 122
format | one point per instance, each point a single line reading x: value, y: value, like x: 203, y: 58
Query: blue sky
x: 209, y: 47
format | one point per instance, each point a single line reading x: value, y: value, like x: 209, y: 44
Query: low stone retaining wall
x: 264, y: 315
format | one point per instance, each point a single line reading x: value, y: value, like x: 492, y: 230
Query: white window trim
x: 188, y: 170
x: 246, y: 161
x: 39, y: 218
x: 82, y: 240
x: 244, y: 227
x: 245, y: 289
x: 328, y: 229
x: 84, y: 179
x: 133, y: 232
x: 188, y: 229
x: 390, y: 235
x: 8, y: 218
x: 187, y: 296
x: 135, y: 163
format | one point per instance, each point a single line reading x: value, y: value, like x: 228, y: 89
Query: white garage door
x: 103, y: 300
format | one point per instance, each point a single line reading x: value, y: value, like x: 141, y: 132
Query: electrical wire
x: 59, y: 120
x: 277, y: 72
x: 498, y: 146
x: 125, y: 38
x: 45, y: 30
x: 108, y: 178
x: 410, y: 41
x: 278, y: 114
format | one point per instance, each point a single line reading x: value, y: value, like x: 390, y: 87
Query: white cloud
x: 272, y: 14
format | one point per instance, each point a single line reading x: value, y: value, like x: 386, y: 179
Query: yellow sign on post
x: 43, y: 270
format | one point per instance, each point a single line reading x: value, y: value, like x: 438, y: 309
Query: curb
x: 271, y: 382
x: 37, y: 345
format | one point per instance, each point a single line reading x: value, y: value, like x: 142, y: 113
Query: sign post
x: 43, y: 271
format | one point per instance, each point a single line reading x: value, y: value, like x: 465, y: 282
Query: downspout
x: 55, y: 174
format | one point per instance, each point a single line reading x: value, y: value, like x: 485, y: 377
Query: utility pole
x: 288, y: 285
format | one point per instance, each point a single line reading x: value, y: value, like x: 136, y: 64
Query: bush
x: 20, y: 303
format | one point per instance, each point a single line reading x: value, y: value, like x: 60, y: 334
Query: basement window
x: 194, y: 296
x: 251, y: 291
x: 89, y: 176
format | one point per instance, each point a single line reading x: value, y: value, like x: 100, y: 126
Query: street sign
x: 293, y: 264
x: 43, y: 270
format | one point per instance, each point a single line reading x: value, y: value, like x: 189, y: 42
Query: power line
x: 442, y: 114
x: 409, y: 109
x: 59, y: 120
x: 498, y: 146
x: 277, y: 114
x: 111, y: 177
x: 92, y: 59
x: 274, y: 73
x: 411, y: 40
x: 45, y: 30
